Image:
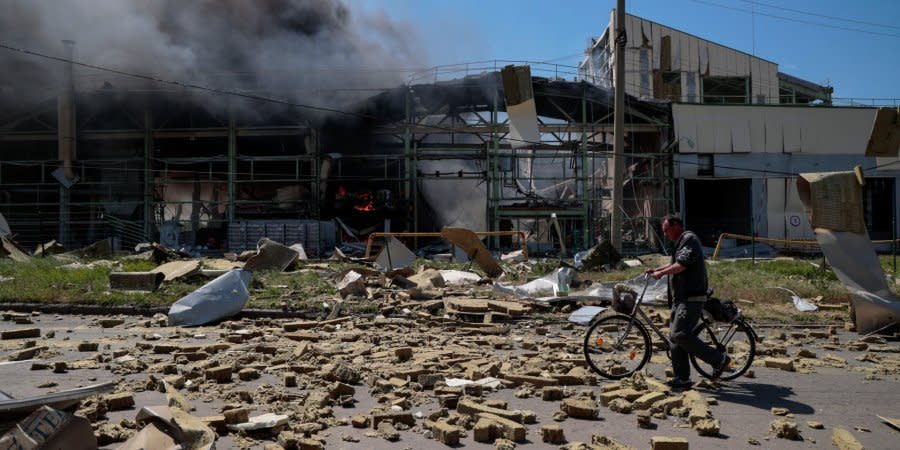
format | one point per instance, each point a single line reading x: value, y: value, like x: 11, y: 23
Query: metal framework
x: 134, y: 147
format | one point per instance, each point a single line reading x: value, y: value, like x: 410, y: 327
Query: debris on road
x: 221, y: 298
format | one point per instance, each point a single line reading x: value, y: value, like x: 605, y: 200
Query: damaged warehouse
x: 170, y: 166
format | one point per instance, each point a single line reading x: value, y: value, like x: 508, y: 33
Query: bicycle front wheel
x: 736, y: 340
x: 617, y: 346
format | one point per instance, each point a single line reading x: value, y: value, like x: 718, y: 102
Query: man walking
x: 687, y: 294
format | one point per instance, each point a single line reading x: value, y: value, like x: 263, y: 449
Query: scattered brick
x: 21, y: 333
x: 668, y: 443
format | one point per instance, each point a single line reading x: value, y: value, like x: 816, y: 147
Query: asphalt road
x: 836, y: 397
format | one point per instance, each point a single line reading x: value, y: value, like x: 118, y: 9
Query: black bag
x: 721, y: 310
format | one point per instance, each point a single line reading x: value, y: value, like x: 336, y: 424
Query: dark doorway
x: 878, y: 207
x: 713, y: 207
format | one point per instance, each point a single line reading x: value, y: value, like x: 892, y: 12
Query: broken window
x: 725, y: 90
x: 667, y: 85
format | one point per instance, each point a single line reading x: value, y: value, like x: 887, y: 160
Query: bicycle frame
x: 667, y: 343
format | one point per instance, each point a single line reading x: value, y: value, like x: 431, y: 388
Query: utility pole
x: 615, y: 224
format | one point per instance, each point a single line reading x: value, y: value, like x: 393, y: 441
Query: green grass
x: 44, y: 280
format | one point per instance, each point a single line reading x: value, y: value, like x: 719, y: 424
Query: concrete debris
x: 394, y: 255
x: 668, y: 443
x: 11, y: 250
x: 844, y: 440
x: 274, y: 422
x: 271, y: 255
x: 474, y: 249
x: 136, y: 281
x: 785, y: 429
x: 451, y: 369
x: 602, y: 254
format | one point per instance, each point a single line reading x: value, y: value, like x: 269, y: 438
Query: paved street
x: 836, y: 397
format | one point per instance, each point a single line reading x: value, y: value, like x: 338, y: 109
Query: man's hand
x: 656, y: 274
x: 649, y: 270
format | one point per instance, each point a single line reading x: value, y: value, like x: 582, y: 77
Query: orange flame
x: 370, y: 206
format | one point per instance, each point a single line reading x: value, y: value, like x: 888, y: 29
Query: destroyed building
x: 742, y: 130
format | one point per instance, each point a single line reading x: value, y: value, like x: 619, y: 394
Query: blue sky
x: 857, y: 64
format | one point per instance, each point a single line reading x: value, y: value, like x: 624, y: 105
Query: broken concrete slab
x: 268, y: 421
x: 221, y: 298
x: 136, y: 281
x: 474, y: 248
x: 20, y: 333
x: 597, y: 256
x: 271, y: 255
x: 394, y: 255
x: 174, y: 270
x: 668, y: 443
x: 12, y: 250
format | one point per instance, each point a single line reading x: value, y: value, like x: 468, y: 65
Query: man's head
x: 672, y: 227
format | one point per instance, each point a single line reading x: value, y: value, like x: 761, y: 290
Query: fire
x: 370, y: 206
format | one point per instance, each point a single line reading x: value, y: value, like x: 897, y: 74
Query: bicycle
x: 619, y: 345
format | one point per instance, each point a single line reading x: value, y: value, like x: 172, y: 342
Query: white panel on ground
x: 775, y: 208
x: 523, y: 124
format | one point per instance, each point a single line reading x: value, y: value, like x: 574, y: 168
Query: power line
x: 790, y: 19
x: 843, y: 19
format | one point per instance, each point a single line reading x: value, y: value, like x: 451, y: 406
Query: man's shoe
x: 726, y: 366
x: 678, y: 383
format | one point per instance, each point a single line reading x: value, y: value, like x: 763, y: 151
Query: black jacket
x: 692, y: 282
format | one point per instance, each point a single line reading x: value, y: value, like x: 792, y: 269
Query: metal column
x: 232, y: 164
x: 148, y: 173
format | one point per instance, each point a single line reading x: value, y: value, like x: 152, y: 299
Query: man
x: 687, y: 294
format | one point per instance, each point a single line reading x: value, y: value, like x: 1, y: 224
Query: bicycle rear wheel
x: 736, y: 340
x: 617, y: 346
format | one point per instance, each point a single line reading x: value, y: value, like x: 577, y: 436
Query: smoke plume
x: 321, y: 52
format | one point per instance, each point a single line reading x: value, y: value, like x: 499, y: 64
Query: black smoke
x: 320, y: 52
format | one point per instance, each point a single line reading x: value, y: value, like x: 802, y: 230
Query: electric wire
x: 810, y: 13
x: 807, y: 22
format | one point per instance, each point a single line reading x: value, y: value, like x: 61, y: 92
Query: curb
x: 55, y: 308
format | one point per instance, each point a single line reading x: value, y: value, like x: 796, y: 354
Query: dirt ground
x: 838, y: 381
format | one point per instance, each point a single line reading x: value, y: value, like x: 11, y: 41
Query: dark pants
x: 685, y: 317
